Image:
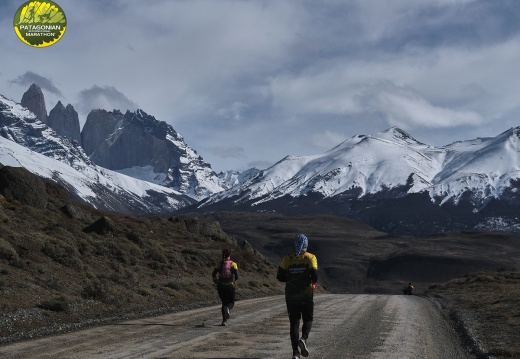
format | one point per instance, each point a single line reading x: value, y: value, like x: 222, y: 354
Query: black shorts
x: 226, y: 292
x: 303, y: 310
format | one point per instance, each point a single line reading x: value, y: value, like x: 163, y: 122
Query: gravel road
x: 345, y: 326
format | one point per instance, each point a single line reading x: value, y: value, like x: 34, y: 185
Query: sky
x: 247, y: 83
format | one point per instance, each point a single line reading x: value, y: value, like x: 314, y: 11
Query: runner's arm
x: 214, y: 274
x: 314, y: 275
x: 234, y: 271
x: 281, y: 276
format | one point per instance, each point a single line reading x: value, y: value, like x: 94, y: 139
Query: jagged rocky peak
x: 118, y: 141
x: 100, y: 124
x: 65, y: 121
x: 34, y: 100
x: 395, y: 133
x: 140, y: 146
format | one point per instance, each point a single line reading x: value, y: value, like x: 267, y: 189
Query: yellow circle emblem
x: 40, y: 23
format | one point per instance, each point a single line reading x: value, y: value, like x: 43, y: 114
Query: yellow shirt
x: 298, y: 285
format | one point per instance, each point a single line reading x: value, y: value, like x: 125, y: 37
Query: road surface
x: 345, y: 326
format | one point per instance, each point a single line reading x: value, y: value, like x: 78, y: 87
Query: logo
x: 40, y: 23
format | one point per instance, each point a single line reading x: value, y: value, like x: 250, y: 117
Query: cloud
x: 227, y: 151
x: 407, y: 109
x: 28, y: 78
x: 106, y: 97
x: 328, y: 139
x: 233, y: 112
x: 296, y: 75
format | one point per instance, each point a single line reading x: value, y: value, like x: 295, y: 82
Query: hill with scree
x: 64, y: 265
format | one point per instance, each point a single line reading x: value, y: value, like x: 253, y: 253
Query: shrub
x: 63, y: 253
x: 98, y: 290
x: 135, y: 237
x: 32, y: 241
x: 254, y: 284
x: 173, y: 285
x: 190, y: 251
x: 144, y: 292
x: 59, y: 304
x: 7, y: 251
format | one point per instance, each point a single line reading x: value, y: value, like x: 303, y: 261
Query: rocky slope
x: 140, y: 146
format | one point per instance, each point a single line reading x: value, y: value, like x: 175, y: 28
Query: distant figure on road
x: 408, y: 289
x: 227, y: 272
x: 299, y: 271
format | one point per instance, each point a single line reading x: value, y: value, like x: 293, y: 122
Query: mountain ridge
x: 27, y: 142
x: 367, y: 175
x: 471, y: 183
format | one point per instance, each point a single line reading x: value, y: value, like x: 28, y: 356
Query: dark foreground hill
x: 64, y: 265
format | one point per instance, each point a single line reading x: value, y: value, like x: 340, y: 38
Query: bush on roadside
x: 59, y: 304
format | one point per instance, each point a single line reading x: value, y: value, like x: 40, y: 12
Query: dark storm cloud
x: 106, y: 97
x: 44, y: 83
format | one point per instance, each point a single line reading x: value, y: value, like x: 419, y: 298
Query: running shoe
x: 227, y: 313
x: 296, y: 355
x: 303, y: 347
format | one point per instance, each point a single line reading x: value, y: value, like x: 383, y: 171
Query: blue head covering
x: 300, y: 242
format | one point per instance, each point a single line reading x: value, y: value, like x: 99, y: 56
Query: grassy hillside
x: 65, y: 265
x: 485, y: 307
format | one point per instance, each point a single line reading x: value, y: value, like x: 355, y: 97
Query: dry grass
x: 488, y: 305
x: 52, y: 273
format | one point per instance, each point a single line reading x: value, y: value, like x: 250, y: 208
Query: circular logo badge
x: 40, y: 23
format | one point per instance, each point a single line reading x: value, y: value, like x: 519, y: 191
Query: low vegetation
x: 485, y: 306
x: 67, y: 265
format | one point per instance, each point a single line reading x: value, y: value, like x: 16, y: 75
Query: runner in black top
x: 227, y: 272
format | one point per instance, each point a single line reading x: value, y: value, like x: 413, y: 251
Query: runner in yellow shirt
x: 299, y: 271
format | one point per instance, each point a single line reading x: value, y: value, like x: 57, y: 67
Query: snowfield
x: 388, y: 160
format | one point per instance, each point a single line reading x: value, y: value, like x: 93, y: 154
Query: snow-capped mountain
x: 485, y: 168
x: 26, y: 142
x: 388, y: 179
x: 140, y: 146
x: 236, y: 178
x: 368, y: 164
x: 389, y: 160
x: 368, y: 173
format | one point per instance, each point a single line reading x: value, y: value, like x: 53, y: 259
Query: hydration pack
x: 226, y: 269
